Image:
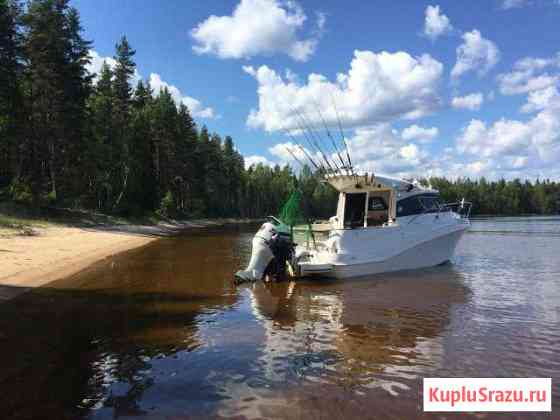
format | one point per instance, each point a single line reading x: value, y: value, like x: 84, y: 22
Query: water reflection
x: 163, y: 332
x: 357, y: 334
x: 92, y: 341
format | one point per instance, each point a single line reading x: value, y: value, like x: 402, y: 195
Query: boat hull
x: 430, y: 253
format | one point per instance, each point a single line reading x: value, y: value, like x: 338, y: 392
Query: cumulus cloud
x: 436, y: 23
x: 377, y: 148
x: 380, y: 149
x: 258, y: 27
x: 96, y: 63
x: 472, y: 101
x: 420, y: 134
x: 255, y: 160
x: 379, y: 87
x: 195, y: 106
x: 510, y: 147
x: 526, y: 77
x: 476, y: 53
x: 533, y: 145
x: 541, y: 99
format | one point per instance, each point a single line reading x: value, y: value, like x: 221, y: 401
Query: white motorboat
x: 381, y: 224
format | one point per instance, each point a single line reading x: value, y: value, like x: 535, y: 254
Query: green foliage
x: 109, y: 146
x: 167, y: 205
x: 502, y: 197
x: 20, y: 192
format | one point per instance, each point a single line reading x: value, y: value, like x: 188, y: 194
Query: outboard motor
x: 272, y: 248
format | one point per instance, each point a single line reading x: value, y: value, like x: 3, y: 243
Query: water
x: 162, y: 332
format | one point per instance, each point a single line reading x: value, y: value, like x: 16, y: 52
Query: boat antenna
x: 342, y: 134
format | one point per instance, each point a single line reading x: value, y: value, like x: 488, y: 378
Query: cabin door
x: 354, y: 210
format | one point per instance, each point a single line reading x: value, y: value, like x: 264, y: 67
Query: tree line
x: 502, y: 197
x: 103, y: 144
x: 69, y: 138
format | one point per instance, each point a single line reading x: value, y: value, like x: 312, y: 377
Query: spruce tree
x: 122, y: 94
x: 10, y: 90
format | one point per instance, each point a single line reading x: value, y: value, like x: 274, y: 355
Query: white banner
x: 487, y: 394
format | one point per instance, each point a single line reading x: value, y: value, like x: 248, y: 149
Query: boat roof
x: 372, y: 182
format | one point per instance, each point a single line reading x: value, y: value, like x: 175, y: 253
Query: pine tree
x: 99, y: 159
x: 57, y: 86
x: 122, y: 96
x: 10, y: 90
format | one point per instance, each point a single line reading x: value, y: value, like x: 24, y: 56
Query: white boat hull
x: 427, y: 254
x: 424, y: 241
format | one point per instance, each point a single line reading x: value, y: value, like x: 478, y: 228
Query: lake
x: 163, y: 332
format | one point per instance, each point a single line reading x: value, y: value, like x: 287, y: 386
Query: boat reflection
x: 384, y: 331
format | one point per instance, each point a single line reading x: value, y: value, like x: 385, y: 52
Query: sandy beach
x: 54, y: 252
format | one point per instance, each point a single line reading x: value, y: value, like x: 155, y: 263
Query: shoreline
x: 54, y: 252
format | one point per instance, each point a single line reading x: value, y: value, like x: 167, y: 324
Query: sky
x: 448, y: 88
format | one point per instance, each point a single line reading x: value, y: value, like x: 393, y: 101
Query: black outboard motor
x: 283, y: 250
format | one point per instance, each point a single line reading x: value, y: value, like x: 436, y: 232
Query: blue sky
x: 443, y: 88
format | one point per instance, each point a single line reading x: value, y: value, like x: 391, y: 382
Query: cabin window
x: 377, y: 211
x: 377, y: 203
x: 418, y: 204
x: 431, y: 203
x: 354, y: 210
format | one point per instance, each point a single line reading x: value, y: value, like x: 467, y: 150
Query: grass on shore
x: 17, y: 219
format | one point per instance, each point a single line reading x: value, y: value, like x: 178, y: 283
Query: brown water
x: 162, y: 332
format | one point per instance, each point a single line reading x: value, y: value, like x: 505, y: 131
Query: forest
x: 75, y: 140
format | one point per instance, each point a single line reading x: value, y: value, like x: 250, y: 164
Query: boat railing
x: 311, y: 236
x: 462, y: 208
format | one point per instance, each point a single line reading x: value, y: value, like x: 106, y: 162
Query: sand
x: 55, y: 252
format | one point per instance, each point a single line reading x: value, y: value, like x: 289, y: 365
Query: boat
x: 382, y: 224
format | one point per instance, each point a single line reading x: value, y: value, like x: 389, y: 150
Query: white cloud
x: 96, y: 63
x: 421, y: 134
x: 195, y: 106
x: 258, y: 27
x: 380, y: 149
x: 525, y: 78
x: 475, y: 53
x: 286, y: 152
x: 541, y: 99
x: 379, y: 87
x: 533, y: 146
x: 504, y: 137
x: 255, y: 160
x: 472, y: 101
x: 512, y: 4
x: 436, y: 24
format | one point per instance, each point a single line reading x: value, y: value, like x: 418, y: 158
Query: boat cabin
x: 375, y: 201
x: 363, y: 201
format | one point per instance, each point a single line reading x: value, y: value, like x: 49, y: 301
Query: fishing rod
x: 293, y: 155
x: 318, y: 138
x: 304, y: 133
x: 344, y: 166
x: 317, y: 167
x: 342, y: 134
x: 314, y: 142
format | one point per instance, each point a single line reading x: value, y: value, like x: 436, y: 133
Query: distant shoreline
x: 51, y: 252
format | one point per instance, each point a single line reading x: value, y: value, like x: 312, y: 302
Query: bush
x: 167, y: 205
x: 21, y: 192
